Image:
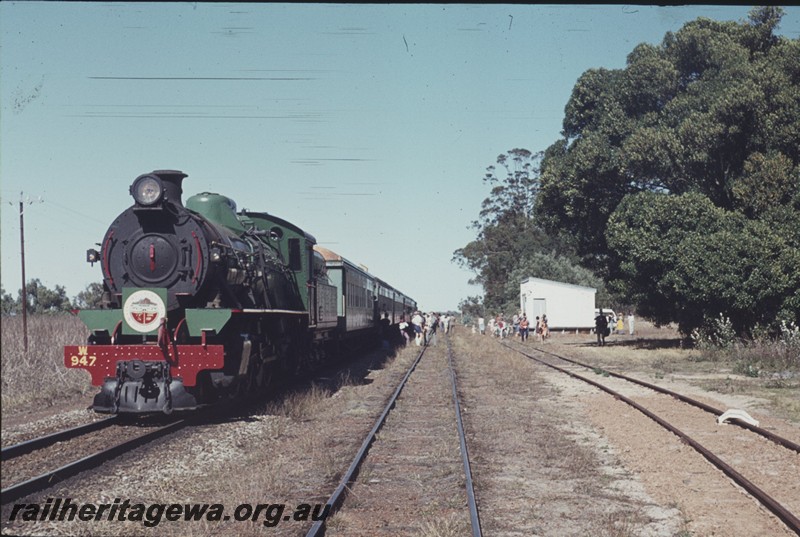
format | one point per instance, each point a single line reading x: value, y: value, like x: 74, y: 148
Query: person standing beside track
x: 431, y: 324
x: 386, y: 337
x: 523, y: 328
x: 600, y: 326
x: 417, y: 321
x: 404, y: 330
x: 444, y: 322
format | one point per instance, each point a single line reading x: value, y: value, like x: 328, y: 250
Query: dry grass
x: 301, y: 405
x: 38, y: 378
x: 778, y: 358
x: 621, y: 524
x: 452, y: 526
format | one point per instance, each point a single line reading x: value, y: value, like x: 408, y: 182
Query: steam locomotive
x: 202, y: 302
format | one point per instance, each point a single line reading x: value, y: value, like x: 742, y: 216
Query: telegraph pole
x: 22, y: 257
x: 24, y: 290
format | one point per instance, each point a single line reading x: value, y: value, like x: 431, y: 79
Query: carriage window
x: 295, y: 261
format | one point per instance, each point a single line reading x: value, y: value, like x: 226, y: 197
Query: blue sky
x: 369, y: 126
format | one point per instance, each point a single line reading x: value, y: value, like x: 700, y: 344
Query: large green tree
x: 683, y: 259
x: 714, y: 112
x: 510, y: 244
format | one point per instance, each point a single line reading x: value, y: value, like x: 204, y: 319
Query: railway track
x: 411, y: 408
x: 44, y: 441
x: 785, y: 442
x: 768, y: 501
x: 105, y: 440
x: 39, y: 447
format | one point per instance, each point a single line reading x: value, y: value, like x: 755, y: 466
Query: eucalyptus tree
x: 505, y: 226
x: 510, y: 243
x: 90, y: 297
x: 42, y: 299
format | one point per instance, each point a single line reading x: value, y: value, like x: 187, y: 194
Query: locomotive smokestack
x: 172, y: 180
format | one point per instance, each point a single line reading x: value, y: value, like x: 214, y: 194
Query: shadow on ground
x: 646, y: 344
x: 352, y: 369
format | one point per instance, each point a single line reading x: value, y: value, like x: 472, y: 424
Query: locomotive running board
x: 282, y: 312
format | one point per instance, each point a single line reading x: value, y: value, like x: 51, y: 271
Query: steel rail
x: 473, y: 505
x: 791, y: 521
x: 43, y: 441
x: 49, y: 479
x: 338, y: 496
x: 785, y: 442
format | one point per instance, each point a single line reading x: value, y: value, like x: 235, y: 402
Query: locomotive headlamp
x: 216, y: 254
x: 92, y: 256
x: 147, y: 190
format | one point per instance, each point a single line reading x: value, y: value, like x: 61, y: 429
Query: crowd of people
x: 423, y: 327
x: 519, y: 327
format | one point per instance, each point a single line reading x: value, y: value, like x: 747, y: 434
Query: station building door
x: 539, y: 307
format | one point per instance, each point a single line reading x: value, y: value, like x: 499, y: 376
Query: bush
x: 761, y: 356
x: 716, y: 334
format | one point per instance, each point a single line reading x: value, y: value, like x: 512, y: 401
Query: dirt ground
x: 683, y: 490
x: 412, y: 481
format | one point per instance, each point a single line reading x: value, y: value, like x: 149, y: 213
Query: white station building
x: 567, y: 306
